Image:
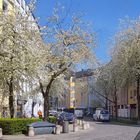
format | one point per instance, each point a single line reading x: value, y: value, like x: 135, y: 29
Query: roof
x: 84, y: 73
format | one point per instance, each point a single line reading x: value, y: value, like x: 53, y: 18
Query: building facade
x: 132, y: 100
x: 84, y: 89
x: 126, y: 102
x: 80, y: 91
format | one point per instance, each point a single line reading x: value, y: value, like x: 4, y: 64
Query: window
x: 4, y: 6
x: 125, y: 107
x: 72, y: 88
x: 131, y: 94
x: 118, y: 106
x: 104, y: 112
x: 135, y: 93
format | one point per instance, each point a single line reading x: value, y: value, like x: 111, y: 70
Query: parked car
x: 52, y: 113
x: 89, y: 114
x: 64, y: 116
x: 101, y: 115
x: 79, y: 113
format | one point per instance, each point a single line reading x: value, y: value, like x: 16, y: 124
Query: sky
x: 104, y: 15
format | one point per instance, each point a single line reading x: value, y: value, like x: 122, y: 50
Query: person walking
x: 40, y: 114
x: 4, y: 114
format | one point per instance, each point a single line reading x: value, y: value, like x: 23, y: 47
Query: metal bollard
x: 31, y: 132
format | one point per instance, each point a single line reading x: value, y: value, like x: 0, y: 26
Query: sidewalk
x: 62, y: 136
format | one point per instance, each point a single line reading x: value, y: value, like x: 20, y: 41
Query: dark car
x: 89, y: 114
x: 64, y: 116
x: 53, y: 113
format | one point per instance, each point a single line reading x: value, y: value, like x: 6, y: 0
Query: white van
x: 101, y: 115
x: 79, y: 113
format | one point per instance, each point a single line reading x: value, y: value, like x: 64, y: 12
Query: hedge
x: 19, y: 125
x: 52, y: 119
x: 16, y: 125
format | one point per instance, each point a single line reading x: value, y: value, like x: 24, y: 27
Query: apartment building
x: 80, y: 91
x: 84, y: 89
x: 126, y: 102
x: 123, y: 110
x: 132, y: 100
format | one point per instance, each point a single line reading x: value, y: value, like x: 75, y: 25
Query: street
x: 97, y: 131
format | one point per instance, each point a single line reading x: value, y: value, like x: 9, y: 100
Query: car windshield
x: 68, y: 114
x: 104, y: 112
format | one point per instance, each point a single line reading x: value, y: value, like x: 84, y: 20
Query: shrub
x: 51, y: 119
x: 16, y: 125
x: 19, y: 125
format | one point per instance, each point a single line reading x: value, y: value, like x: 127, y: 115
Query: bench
x: 41, y: 128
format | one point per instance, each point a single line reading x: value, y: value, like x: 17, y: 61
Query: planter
x: 42, y: 128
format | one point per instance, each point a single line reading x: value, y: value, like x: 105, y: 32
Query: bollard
x: 0, y: 132
x: 57, y: 129
x: 88, y: 126
x: 65, y: 127
x: 80, y: 122
x: 76, y: 121
x: 84, y: 126
x: 31, y: 132
x: 83, y: 122
x: 75, y: 127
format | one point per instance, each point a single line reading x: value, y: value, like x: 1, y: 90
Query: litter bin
x: 65, y: 127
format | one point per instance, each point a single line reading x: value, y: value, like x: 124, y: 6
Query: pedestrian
x: 40, y: 114
x: 4, y: 114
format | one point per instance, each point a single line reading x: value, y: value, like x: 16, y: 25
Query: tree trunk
x: 138, y: 97
x: 11, y: 98
x: 46, y: 99
x: 106, y: 103
x: 46, y: 105
x: 116, y: 108
x: 47, y: 91
x: 115, y: 100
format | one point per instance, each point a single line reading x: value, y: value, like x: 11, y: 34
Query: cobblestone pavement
x: 97, y: 131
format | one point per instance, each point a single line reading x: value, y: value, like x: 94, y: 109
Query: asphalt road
x: 97, y: 131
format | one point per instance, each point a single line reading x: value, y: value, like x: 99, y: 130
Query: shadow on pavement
x: 138, y: 136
